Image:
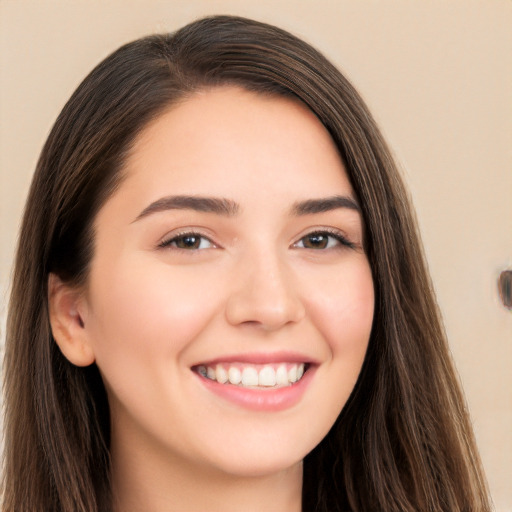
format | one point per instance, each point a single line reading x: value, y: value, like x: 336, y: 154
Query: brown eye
x: 316, y: 241
x: 323, y: 240
x: 188, y: 241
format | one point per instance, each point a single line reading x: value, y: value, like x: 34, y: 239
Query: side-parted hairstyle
x: 403, y: 442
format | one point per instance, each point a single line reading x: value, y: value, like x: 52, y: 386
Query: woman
x: 220, y: 300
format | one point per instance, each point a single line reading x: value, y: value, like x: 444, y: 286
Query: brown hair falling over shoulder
x: 403, y: 442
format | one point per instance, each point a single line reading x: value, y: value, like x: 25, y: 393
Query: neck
x: 145, y: 484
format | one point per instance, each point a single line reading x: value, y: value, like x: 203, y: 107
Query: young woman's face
x: 232, y: 251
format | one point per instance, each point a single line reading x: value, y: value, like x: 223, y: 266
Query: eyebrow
x: 229, y: 208
x: 312, y: 206
x: 220, y: 206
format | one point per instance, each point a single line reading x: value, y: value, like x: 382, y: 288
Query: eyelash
x: 168, y: 243
x: 342, y: 241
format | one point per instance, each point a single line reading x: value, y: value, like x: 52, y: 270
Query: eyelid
x: 339, y: 235
x: 343, y: 240
x: 167, y: 240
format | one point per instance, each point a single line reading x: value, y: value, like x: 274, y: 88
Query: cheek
x: 140, y: 311
x: 341, y: 306
x: 342, y: 309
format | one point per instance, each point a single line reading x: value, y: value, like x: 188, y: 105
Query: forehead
x: 227, y: 136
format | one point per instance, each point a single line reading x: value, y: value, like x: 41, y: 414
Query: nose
x: 264, y: 294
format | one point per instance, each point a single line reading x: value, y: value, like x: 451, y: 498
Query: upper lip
x: 260, y: 358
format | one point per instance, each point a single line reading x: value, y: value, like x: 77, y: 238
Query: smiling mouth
x: 254, y: 376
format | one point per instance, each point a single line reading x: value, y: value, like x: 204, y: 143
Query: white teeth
x: 234, y: 375
x: 282, y: 375
x: 249, y: 376
x: 222, y: 375
x: 246, y: 375
x: 267, y: 376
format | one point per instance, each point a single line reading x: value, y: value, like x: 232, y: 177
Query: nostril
x: 264, y: 293
x: 268, y: 309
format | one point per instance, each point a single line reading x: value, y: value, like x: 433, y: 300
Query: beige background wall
x: 438, y: 76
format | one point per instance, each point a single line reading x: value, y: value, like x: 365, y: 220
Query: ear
x: 66, y: 308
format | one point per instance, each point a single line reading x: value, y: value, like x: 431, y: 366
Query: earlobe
x: 67, y: 322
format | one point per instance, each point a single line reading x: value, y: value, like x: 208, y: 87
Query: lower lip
x: 272, y: 399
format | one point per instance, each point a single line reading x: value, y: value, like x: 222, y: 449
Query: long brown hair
x: 403, y: 442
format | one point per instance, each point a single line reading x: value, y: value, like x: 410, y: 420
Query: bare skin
x: 263, y: 269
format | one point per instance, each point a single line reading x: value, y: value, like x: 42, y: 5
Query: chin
x: 259, y: 467
x: 259, y: 459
